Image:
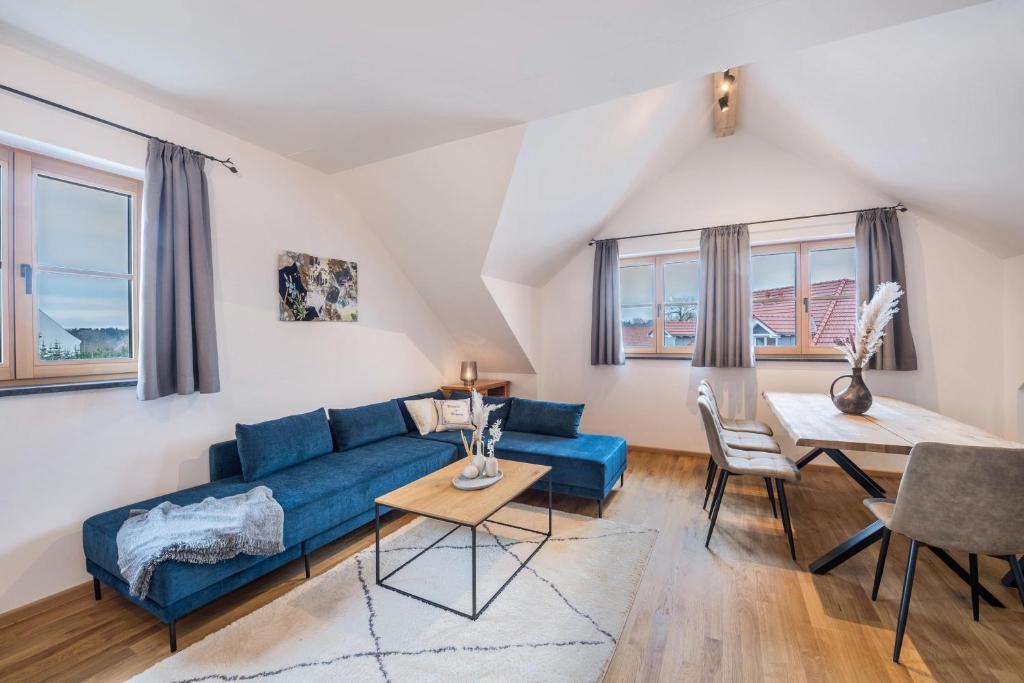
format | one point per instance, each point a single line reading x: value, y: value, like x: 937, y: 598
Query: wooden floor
x: 741, y: 611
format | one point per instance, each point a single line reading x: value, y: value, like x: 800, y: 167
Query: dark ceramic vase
x: 856, y: 399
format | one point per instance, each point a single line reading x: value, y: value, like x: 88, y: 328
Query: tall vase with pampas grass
x: 859, y: 347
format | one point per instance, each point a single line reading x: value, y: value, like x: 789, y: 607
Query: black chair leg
x: 880, y: 567
x: 1018, y: 575
x: 908, y: 586
x: 172, y: 633
x: 622, y: 480
x: 600, y: 509
x: 305, y: 561
x: 716, y: 504
x: 786, y: 523
x: 975, y: 593
x: 712, y: 471
x: 771, y: 495
x: 97, y: 592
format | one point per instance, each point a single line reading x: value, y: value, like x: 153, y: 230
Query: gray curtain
x: 880, y: 259
x: 177, y: 333
x: 606, y: 322
x: 723, y: 313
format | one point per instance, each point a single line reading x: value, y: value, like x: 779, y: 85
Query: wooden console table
x: 487, y: 387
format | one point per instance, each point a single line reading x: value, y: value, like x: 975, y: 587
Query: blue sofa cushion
x: 410, y: 424
x: 171, y: 580
x: 590, y: 461
x: 545, y: 417
x: 354, y: 427
x: 324, y: 492
x: 317, y: 495
x: 500, y: 414
x: 271, y: 446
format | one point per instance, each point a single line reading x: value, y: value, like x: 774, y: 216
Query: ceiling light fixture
x: 727, y: 80
x: 723, y: 103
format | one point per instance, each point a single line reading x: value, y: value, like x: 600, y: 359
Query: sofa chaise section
x: 323, y: 497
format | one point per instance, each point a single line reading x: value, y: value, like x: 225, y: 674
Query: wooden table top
x: 434, y: 495
x: 483, y: 385
x: 891, y: 426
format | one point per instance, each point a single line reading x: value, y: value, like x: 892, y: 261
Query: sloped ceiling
x: 436, y: 210
x: 906, y: 113
x: 337, y: 84
x: 574, y: 169
x: 929, y: 112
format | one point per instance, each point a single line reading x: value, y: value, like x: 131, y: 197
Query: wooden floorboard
x: 739, y: 611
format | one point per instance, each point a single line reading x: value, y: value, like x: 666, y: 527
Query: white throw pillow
x: 424, y: 413
x: 453, y: 415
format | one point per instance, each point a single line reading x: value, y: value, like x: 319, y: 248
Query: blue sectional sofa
x: 326, y: 470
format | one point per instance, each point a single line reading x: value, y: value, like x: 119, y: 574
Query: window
x: 68, y: 276
x: 803, y: 298
x: 659, y: 303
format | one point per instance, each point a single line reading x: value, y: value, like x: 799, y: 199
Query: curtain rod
x: 227, y: 163
x: 898, y: 207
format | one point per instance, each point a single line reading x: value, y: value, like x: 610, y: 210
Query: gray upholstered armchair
x: 959, y: 498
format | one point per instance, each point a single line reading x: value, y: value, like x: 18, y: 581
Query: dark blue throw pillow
x: 267, y: 447
x: 500, y: 414
x: 545, y: 417
x: 353, y: 427
x: 410, y: 424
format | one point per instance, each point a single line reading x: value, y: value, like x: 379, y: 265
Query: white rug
x: 558, y: 620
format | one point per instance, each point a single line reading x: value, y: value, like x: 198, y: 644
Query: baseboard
x: 695, y: 454
x: 633, y: 448
x: 44, y: 603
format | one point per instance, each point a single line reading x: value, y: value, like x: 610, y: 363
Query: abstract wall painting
x: 312, y: 288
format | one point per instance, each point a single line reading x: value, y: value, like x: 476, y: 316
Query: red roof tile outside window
x: 831, y: 316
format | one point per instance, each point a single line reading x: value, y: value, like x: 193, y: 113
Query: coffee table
x: 434, y: 496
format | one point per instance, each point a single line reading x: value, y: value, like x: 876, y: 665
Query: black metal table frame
x: 867, y: 536
x: 475, y: 614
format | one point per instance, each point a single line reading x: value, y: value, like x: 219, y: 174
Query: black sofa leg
x: 305, y: 560
x: 622, y: 480
x: 97, y: 592
x: 172, y: 633
x: 600, y: 509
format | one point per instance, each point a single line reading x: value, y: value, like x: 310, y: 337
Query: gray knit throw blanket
x: 203, y: 533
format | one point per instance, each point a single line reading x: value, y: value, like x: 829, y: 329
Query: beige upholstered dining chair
x: 773, y: 467
x: 750, y: 426
x: 744, y: 435
x: 958, y: 498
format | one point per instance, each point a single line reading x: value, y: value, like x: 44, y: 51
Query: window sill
x: 760, y: 359
x: 60, y: 387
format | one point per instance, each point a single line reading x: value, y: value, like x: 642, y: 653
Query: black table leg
x: 804, y: 461
x: 856, y: 473
x: 965, y: 576
x: 848, y: 548
x: 473, y: 535
x: 376, y: 528
x: 1008, y: 579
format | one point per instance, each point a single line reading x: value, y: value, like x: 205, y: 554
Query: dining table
x: 889, y: 426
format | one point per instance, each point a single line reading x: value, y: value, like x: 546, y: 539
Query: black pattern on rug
x: 380, y: 655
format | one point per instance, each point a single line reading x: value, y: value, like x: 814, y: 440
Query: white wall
x: 1013, y: 317
x: 956, y: 304
x: 68, y: 456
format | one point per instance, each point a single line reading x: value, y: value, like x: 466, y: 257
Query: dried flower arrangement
x: 859, y: 347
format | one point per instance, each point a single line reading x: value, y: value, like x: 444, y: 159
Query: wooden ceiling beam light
x: 724, y: 96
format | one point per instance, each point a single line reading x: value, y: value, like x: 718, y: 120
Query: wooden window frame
x: 805, y: 295
x: 6, y: 264
x: 25, y: 367
x: 803, y: 348
x: 644, y: 261
x: 658, y: 305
